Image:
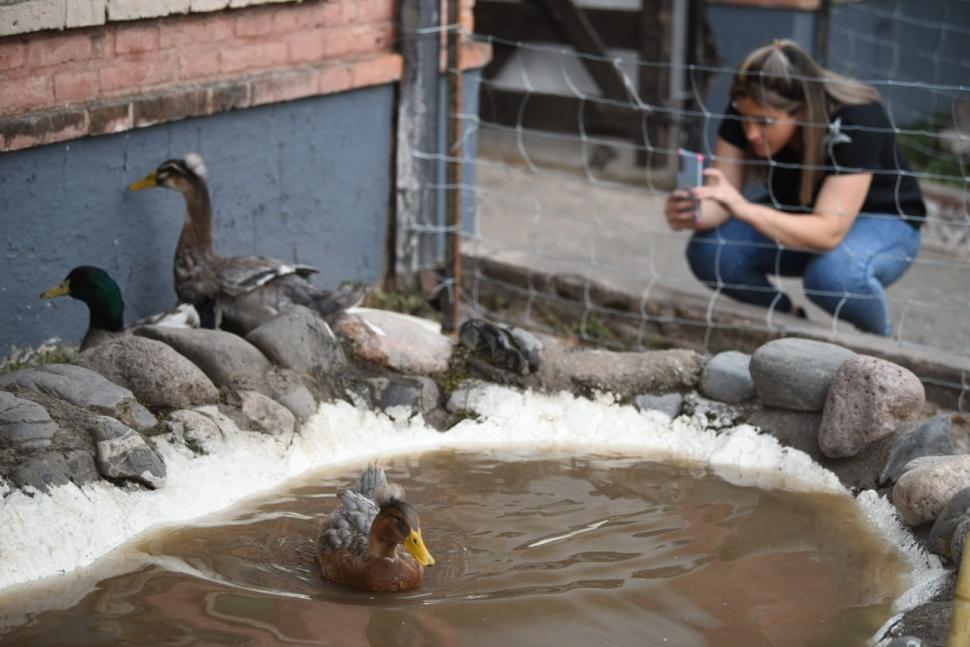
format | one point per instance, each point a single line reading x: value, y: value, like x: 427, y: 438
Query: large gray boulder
x: 121, y: 453
x: 24, y: 424
x: 153, y: 371
x: 300, y: 340
x: 85, y: 388
x: 867, y: 400
x: 49, y: 469
x: 396, y: 341
x: 796, y: 373
x: 221, y: 355
x: 727, y: 378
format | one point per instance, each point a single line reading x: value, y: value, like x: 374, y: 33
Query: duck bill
x: 146, y: 182
x: 59, y: 290
x: 415, y: 546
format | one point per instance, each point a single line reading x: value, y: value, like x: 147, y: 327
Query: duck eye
x: 402, y: 527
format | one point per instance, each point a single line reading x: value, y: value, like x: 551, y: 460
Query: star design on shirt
x: 835, y: 135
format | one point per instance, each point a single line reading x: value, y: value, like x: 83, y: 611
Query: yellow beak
x: 415, y: 545
x: 146, y: 182
x: 59, y: 290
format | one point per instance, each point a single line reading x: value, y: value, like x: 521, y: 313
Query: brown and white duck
x: 237, y: 293
x: 372, y: 541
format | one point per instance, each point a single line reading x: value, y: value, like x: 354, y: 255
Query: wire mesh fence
x: 564, y: 228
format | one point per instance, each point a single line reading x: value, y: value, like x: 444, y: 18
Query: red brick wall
x: 60, y: 85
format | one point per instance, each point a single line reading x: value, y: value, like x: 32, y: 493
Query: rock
x: 959, y: 539
x: 668, y: 403
x: 195, y: 430
x: 393, y: 340
x: 905, y: 641
x: 269, y: 416
x: 221, y: 355
x: 48, y: 469
x: 84, y: 388
x: 799, y: 430
x: 157, y: 374
x: 625, y: 374
x: 950, y: 517
x: 121, y: 453
x: 932, y: 438
x: 500, y: 347
x: 529, y: 344
x: 227, y: 427
x: 867, y: 400
x: 928, y: 484
x: 415, y: 392
x: 24, y: 424
x: 796, y: 373
x: 300, y: 340
x: 727, y: 378
x: 137, y: 416
x: 299, y: 401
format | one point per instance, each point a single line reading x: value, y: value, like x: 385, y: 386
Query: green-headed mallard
x: 101, y: 294
x: 234, y: 292
x: 372, y: 541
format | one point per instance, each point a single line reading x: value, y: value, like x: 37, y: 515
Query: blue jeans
x: 848, y: 281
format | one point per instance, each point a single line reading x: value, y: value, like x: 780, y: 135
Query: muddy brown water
x: 532, y: 550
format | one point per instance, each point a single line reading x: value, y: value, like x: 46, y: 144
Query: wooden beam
x: 526, y: 21
x: 558, y: 113
x: 576, y: 29
x: 417, y: 132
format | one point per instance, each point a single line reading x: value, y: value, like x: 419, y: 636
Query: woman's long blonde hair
x: 784, y: 77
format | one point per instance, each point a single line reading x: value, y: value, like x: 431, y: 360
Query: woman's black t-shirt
x: 860, y: 139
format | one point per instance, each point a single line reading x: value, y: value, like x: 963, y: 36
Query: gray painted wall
x: 305, y: 181
x: 927, y: 45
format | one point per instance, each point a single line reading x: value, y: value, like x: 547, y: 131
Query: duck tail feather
x: 347, y: 295
x: 371, y: 480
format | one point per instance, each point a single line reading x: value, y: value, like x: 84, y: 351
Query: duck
x: 236, y: 293
x: 95, y: 287
x: 372, y: 540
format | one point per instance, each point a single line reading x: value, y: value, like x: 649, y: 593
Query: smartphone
x: 690, y: 174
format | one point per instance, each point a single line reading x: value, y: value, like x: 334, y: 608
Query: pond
x: 531, y: 548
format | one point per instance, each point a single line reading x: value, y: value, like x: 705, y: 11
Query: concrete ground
x: 546, y: 210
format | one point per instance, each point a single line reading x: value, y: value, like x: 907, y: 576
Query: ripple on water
x: 540, y: 549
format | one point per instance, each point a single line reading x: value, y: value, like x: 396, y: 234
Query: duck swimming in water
x: 101, y: 294
x: 372, y: 541
x: 237, y: 293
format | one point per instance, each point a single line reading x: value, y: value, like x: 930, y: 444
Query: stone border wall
x: 57, y: 86
x: 677, y: 318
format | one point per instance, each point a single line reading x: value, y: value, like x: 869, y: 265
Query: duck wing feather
x: 241, y: 274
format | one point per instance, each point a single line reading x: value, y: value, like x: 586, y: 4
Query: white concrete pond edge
x: 46, y: 541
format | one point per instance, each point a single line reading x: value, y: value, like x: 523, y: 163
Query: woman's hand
x: 719, y: 189
x: 681, y: 210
